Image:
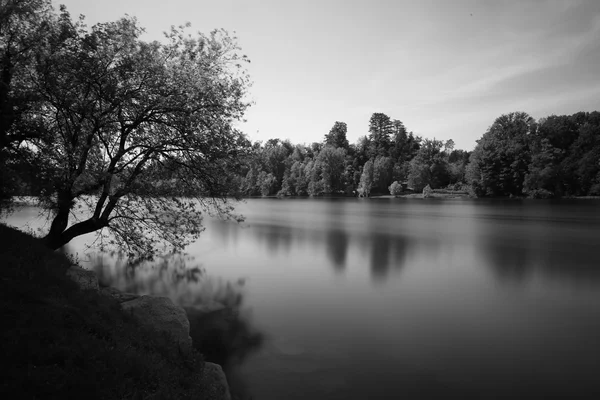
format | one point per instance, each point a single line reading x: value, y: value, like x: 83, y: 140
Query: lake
x: 409, y: 298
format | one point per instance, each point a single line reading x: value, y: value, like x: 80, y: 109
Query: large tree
x: 143, y: 137
x: 380, y: 131
x: 499, y: 163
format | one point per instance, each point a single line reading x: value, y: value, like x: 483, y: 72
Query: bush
x: 541, y: 194
x: 395, y: 188
x: 594, y: 190
x: 427, y: 192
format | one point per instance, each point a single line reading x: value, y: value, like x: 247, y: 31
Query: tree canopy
x: 516, y: 156
x: 137, y: 137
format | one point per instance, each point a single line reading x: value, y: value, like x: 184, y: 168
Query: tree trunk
x: 58, y: 239
x: 60, y: 222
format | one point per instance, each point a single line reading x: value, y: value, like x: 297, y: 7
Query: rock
x: 86, y: 280
x: 215, y: 382
x: 427, y: 192
x: 162, y: 315
x: 121, y: 297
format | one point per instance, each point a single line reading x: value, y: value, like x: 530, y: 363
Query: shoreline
x: 29, y: 201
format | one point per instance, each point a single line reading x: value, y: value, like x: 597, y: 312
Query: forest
x: 517, y: 156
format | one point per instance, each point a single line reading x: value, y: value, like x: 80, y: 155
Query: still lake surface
x: 411, y: 298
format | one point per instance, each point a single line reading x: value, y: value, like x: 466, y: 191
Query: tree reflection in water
x: 337, y: 242
x: 220, y: 327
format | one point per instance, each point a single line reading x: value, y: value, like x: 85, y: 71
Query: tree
x: 380, y: 130
x: 564, y: 153
x: 458, y: 160
x: 382, y: 173
x: 395, y: 188
x: 582, y: 166
x: 361, y: 151
x: 332, y: 161
x: 544, y: 171
x: 366, y: 179
x: 449, y: 146
x: 125, y: 114
x: 337, y: 136
x: 500, y: 161
x: 429, y: 167
x: 276, y: 158
x: 399, y: 141
x: 313, y: 172
x: 267, y: 183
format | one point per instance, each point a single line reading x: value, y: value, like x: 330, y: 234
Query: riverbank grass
x: 61, y: 342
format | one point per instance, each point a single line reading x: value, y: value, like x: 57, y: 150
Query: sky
x: 446, y: 69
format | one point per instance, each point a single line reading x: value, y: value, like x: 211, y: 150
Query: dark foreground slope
x: 60, y: 342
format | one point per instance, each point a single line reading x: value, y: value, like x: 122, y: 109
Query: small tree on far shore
x: 395, y: 188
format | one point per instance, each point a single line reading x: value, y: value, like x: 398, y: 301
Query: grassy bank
x: 59, y: 342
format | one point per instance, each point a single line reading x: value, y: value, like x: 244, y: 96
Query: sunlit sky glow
x: 445, y: 68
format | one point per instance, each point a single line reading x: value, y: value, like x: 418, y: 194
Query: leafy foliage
x: 337, y: 135
x: 138, y: 137
x: 395, y: 188
x: 366, y: 179
x: 380, y: 131
x: 24, y: 25
x: 515, y: 157
x: 501, y: 158
x: 558, y: 156
x: 430, y: 166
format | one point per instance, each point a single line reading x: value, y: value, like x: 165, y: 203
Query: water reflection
x: 510, y: 263
x: 220, y: 327
x: 495, y: 297
x: 169, y: 275
x: 579, y: 265
x: 380, y: 255
x: 227, y: 231
x: 276, y: 237
x: 337, y: 248
x: 523, y: 242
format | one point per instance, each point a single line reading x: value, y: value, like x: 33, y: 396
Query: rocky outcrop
x: 86, y: 280
x: 215, y: 382
x: 161, y: 314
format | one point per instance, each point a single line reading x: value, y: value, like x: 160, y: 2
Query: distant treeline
x: 517, y: 156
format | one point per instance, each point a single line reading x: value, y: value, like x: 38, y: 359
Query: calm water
x: 398, y: 298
